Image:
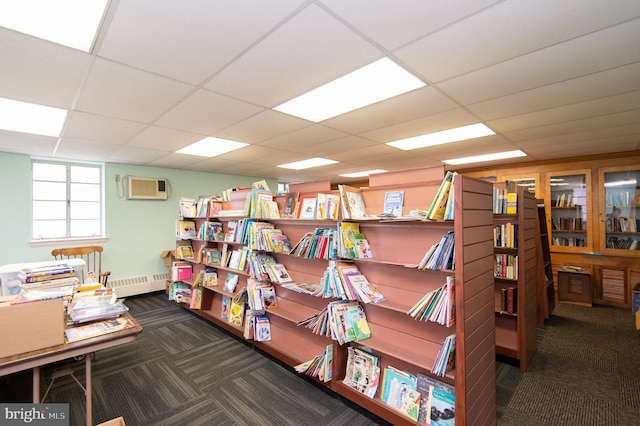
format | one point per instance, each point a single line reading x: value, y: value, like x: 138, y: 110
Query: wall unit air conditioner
x: 146, y: 188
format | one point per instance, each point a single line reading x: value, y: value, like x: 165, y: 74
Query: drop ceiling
x: 553, y: 79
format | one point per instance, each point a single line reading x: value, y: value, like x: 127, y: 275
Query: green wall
x: 137, y: 231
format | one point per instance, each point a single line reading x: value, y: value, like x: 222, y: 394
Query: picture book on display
x: 290, y: 205
x: 226, y: 305
x: 393, y: 201
x: 362, y: 371
x: 438, y: 206
x: 231, y: 282
x: 353, y: 206
x: 280, y: 273
x: 187, y: 207
x: 424, y: 384
x: 185, y: 229
x: 262, y: 328
x: 307, y: 208
x: 236, y: 313
x: 442, y: 407
x: 399, y: 390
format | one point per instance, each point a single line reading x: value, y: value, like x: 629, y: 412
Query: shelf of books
x: 361, y: 290
x: 515, y: 275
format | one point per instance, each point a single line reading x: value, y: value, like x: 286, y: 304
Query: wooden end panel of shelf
x: 425, y: 177
x: 474, y: 210
x: 311, y: 187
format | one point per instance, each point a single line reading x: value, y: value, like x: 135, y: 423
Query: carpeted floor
x: 586, y: 372
x: 184, y: 371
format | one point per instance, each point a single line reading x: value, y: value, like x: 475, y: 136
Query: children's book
x: 185, y: 229
x: 280, y: 273
x: 231, y: 282
x: 307, y: 208
x: 268, y: 293
x: 290, y: 204
x: 226, y: 304
x: 442, y: 407
x: 393, y: 203
x: 236, y: 313
x: 262, y: 328
x: 352, y: 202
x: 196, y: 298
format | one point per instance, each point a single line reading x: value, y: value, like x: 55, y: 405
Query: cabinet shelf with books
x: 569, y: 211
x: 396, y: 339
x: 515, y: 280
x: 621, y: 205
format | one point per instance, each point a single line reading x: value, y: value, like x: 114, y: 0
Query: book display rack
x: 395, y: 340
x: 516, y: 280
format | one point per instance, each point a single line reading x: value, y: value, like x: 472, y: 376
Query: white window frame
x: 35, y: 240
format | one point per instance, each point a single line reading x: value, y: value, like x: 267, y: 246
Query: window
x: 66, y: 200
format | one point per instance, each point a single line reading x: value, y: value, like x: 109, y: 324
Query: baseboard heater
x: 126, y: 287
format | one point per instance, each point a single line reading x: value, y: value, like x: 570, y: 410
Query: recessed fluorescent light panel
x: 486, y: 157
x: 471, y: 131
x: 211, y: 147
x: 73, y: 23
x: 365, y: 173
x: 307, y: 164
x: 373, y: 83
x: 24, y: 117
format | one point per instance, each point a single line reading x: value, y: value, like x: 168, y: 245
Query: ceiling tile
x: 601, y: 84
x: 85, y: 150
x: 199, y: 37
x: 420, y: 126
x: 392, y: 26
x: 511, y: 29
x: 594, y: 52
x: 161, y: 138
x: 98, y: 128
x: 26, y: 143
x: 601, y: 122
x: 38, y: 71
x: 399, y: 109
x: 301, y: 140
x: 118, y: 91
x: 262, y: 126
x: 309, y: 50
x: 206, y: 112
x: 597, y: 107
x: 135, y: 155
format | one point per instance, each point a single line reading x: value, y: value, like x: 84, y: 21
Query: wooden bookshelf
x: 516, y: 330
x: 398, y: 339
x: 546, y: 290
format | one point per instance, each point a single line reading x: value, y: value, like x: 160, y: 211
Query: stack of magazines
x: 98, y: 306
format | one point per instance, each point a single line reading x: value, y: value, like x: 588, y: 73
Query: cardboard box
x: 635, y: 298
x: 26, y: 327
x: 169, y: 257
x: 114, y: 422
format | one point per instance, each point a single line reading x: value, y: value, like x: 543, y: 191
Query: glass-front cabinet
x: 621, y: 201
x: 569, y: 197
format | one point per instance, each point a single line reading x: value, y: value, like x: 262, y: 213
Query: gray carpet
x: 184, y: 371
x: 586, y: 372
x: 181, y: 370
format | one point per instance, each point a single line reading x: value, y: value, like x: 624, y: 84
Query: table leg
x: 87, y: 364
x: 36, y: 385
